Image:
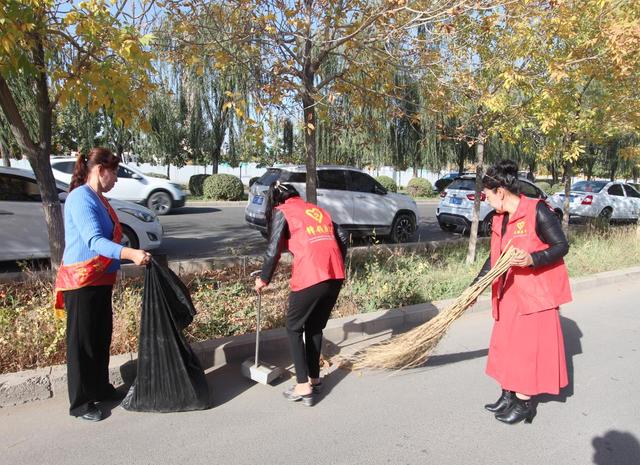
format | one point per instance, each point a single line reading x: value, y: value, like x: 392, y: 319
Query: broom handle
x: 256, y: 361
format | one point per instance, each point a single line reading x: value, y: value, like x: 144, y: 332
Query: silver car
x: 604, y: 200
x: 455, y: 210
x: 355, y: 201
x: 23, y: 231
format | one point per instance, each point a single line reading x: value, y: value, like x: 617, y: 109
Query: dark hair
x: 277, y: 195
x: 96, y: 156
x: 502, y: 174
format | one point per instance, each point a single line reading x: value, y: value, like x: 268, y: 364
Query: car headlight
x: 142, y: 216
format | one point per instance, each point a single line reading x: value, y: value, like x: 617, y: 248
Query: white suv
x: 159, y: 195
x: 355, y: 201
x: 456, y: 205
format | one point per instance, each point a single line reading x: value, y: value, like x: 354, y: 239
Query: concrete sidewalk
x: 431, y: 415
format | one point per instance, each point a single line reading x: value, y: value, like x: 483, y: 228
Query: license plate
x: 455, y: 201
x: 258, y: 200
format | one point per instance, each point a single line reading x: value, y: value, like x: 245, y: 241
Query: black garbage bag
x: 169, y: 376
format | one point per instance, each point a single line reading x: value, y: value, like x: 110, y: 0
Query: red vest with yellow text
x: 316, y: 254
x: 537, y: 289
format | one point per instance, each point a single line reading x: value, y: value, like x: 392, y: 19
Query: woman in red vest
x: 318, y: 247
x: 526, y: 351
x: 85, y: 280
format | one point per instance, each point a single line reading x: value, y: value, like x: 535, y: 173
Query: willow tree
x: 589, y: 54
x: 66, y: 51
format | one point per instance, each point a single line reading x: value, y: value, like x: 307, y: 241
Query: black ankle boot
x: 502, y: 404
x: 519, y: 410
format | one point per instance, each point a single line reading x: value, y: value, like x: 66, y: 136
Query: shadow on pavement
x: 445, y: 359
x: 572, y: 347
x: 616, y: 448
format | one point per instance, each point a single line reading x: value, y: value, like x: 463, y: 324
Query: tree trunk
x: 460, y: 159
x: 215, y: 159
x: 4, y: 151
x: 38, y: 155
x: 41, y: 165
x: 310, y: 145
x: 567, y: 199
x: 168, y: 168
x: 473, y: 235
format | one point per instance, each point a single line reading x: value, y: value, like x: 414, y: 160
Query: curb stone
x: 39, y: 384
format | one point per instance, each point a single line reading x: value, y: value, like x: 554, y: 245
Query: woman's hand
x: 260, y: 284
x: 137, y: 256
x: 521, y: 258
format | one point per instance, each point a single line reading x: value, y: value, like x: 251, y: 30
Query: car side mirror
x: 62, y: 196
x: 379, y: 190
x: 136, y: 176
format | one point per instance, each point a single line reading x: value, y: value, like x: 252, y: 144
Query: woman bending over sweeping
x: 318, y: 247
x: 526, y: 351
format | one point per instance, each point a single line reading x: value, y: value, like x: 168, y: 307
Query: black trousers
x: 308, y: 313
x: 89, y: 328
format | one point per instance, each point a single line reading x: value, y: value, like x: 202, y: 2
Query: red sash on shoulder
x: 91, y: 272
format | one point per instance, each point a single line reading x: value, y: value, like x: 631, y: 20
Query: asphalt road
x: 214, y: 230
x: 431, y: 415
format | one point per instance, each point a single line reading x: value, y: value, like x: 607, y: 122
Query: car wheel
x: 129, y: 238
x: 605, y: 216
x: 487, y: 224
x: 403, y: 228
x: 159, y: 202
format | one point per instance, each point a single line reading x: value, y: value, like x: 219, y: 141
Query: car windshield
x: 463, y: 184
x: 588, y: 186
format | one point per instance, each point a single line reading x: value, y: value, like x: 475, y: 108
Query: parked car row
x: 603, y: 200
x: 455, y: 210
x: 23, y: 231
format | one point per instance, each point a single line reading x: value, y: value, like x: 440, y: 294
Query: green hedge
x: 556, y: 188
x: 196, y: 184
x: 388, y: 183
x: 223, y: 187
x: 419, y: 187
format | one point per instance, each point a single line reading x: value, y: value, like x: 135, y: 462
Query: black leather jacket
x: 549, y: 230
x: 278, y: 238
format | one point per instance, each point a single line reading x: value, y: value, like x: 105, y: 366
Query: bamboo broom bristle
x: 414, y: 347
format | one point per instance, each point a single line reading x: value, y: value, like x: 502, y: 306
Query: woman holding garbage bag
x: 86, y: 277
x: 526, y: 351
x: 318, y: 247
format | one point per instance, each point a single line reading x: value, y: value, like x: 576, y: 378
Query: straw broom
x: 413, y: 348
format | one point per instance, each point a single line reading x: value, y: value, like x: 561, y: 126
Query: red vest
x: 316, y: 255
x: 537, y: 289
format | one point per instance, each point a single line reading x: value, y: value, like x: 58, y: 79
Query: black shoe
x: 317, y: 388
x: 307, y: 399
x: 93, y: 414
x: 519, y: 410
x: 502, y: 404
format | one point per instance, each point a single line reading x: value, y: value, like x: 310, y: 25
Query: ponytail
x: 80, y: 172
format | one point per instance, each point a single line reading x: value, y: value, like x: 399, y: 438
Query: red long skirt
x: 526, y: 352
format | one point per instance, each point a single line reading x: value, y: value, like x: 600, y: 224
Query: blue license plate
x: 258, y: 199
x: 455, y: 201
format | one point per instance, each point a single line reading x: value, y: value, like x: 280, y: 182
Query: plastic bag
x: 169, y: 376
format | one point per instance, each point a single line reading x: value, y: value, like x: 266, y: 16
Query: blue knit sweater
x: 88, y: 229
